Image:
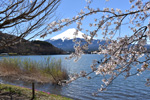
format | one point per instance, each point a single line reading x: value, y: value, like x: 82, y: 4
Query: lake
x: 122, y: 89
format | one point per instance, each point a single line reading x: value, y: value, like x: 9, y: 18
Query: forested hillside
x: 29, y: 47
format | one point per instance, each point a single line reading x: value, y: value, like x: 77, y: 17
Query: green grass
x: 26, y: 94
x: 47, y: 70
x: 12, y: 53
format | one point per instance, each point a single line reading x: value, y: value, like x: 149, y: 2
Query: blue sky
x: 70, y: 8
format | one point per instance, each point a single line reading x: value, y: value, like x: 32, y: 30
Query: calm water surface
x: 132, y: 88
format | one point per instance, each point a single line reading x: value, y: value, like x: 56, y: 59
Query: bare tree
x: 121, y: 55
x: 25, y: 17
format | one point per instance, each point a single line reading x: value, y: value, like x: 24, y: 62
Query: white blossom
x: 82, y: 12
x: 122, y: 50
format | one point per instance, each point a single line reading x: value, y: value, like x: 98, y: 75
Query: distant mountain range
x: 65, y: 42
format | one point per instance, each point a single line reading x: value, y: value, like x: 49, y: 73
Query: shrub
x: 54, y: 68
x: 49, y: 70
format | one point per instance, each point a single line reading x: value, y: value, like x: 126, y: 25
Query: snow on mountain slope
x: 64, y: 40
x: 68, y: 34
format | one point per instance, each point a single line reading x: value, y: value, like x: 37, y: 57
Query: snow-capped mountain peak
x: 68, y: 34
x: 64, y: 40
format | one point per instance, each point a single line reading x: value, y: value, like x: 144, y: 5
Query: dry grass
x: 49, y: 70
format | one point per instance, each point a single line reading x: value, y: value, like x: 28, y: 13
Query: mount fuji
x: 68, y: 35
x: 65, y: 42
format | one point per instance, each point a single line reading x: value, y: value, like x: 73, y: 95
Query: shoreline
x: 22, y: 93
